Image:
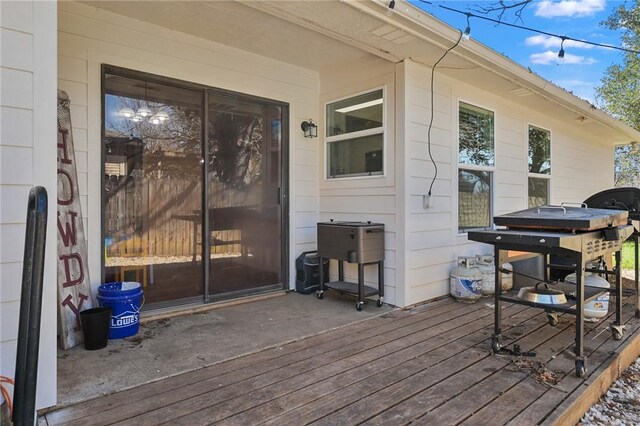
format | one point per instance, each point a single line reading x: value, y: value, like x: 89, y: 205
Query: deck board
x: 547, y: 400
x: 270, y: 359
x: 231, y: 395
x: 429, y: 365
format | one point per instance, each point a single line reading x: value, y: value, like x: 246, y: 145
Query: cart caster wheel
x: 553, y: 319
x: 320, y: 295
x: 581, y: 371
x: 495, y: 345
x: 358, y: 306
x: 379, y: 303
x: 616, y: 334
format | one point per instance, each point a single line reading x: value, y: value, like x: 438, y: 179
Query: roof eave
x: 407, y: 16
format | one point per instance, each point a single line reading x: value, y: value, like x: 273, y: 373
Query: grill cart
x: 580, y: 234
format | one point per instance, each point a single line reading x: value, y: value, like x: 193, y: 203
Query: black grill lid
x: 563, y: 217
x: 618, y: 199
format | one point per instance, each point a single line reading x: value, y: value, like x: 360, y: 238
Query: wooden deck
x: 427, y: 365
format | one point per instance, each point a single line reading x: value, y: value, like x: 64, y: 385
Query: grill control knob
x: 542, y: 240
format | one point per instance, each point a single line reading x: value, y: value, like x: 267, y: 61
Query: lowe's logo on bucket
x: 125, y: 319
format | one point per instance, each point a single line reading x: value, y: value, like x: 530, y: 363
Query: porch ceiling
x: 242, y: 26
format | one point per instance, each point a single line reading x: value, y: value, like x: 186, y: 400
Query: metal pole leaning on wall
x: 26, y: 374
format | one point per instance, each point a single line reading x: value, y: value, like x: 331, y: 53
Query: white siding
x: 89, y: 37
x: 369, y: 198
x: 581, y: 166
x: 27, y: 158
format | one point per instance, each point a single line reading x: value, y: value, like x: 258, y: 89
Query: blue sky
x: 583, y: 66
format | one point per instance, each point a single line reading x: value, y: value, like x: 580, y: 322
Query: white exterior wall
x: 373, y: 198
x: 28, y: 141
x: 89, y: 37
x: 580, y: 166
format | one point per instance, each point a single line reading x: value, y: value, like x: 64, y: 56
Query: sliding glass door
x: 171, y: 148
x: 152, y: 195
x: 244, y: 184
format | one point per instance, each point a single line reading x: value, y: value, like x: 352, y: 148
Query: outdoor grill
x: 623, y: 199
x: 618, y: 199
x: 579, y: 234
x: 352, y: 242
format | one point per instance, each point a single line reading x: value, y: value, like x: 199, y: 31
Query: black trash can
x: 95, y: 327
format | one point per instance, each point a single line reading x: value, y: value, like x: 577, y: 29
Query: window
x: 355, y: 136
x: 476, y: 163
x: 539, y: 178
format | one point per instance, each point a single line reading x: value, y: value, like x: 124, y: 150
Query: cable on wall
x: 427, y: 198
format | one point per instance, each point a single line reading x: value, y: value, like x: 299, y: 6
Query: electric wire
x: 433, y: 71
x: 522, y: 27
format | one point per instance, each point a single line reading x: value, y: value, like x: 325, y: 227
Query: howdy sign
x: 74, y: 289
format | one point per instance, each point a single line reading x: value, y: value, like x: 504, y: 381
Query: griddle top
x: 563, y: 218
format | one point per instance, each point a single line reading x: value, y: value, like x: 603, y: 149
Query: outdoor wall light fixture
x: 309, y: 128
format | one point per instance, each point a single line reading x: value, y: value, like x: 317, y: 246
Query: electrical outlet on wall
x: 427, y: 201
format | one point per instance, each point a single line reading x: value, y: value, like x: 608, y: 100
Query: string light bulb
x: 561, y: 52
x: 467, y: 31
x: 390, y: 7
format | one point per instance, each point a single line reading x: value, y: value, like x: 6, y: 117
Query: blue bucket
x: 125, y: 300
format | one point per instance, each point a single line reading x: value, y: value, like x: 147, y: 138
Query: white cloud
x: 549, y: 42
x: 569, y: 8
x: 549, y: 57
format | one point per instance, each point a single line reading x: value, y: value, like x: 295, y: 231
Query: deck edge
x: 602, y: 381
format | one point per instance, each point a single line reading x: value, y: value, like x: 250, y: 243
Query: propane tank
x: 466, y: 281
x: 599, y: 307
x: 487, y: 267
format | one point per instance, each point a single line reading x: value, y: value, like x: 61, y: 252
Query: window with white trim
x: 355, y: 135
x: 476, y: 165
x: 539, y: 175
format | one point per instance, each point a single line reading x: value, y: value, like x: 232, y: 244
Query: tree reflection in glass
x: 539, y: 151
x: 236, y: 148
x: 476, y: 136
